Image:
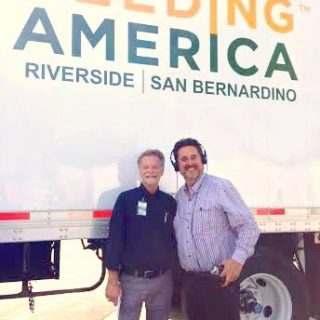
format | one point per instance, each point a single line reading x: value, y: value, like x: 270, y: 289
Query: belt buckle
x: 149, y: 274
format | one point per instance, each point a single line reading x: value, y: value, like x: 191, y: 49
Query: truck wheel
x: 272, y: 288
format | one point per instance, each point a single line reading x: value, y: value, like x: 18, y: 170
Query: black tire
x: 271, y: 262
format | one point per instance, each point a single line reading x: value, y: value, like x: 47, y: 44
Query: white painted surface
x: 73, y: 145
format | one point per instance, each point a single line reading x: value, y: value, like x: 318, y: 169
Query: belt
x: 144, y: 273
x: 204, y: 275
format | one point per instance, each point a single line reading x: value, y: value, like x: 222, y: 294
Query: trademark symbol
x: 304, y: 8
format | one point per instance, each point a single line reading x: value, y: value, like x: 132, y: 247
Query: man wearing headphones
x: 214, y: 228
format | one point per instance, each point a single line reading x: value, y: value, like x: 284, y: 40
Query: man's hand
x: 231, y: 271
x: 113, y: 292
x: 113, y: 289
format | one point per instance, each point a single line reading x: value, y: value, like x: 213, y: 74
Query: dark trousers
x: 207, y: 300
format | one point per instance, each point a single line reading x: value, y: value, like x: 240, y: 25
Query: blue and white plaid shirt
x: 213, y: 224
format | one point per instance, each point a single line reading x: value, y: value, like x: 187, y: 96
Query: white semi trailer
x: 86, y: 85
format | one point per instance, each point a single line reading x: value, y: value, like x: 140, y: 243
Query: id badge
x: 142, y: 208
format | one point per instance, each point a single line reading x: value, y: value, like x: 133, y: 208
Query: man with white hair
x: 140, y: 246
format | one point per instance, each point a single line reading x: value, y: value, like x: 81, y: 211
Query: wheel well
x: 284, y: 243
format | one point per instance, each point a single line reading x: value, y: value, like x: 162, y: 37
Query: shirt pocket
x: 206, y: 220
x: 168, y: 224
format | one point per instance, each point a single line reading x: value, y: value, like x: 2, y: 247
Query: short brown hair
x: 152, y: 152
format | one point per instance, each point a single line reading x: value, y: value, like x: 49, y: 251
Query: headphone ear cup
x: 175, y: 165
x: 204, y: 157
x: 173, y: 162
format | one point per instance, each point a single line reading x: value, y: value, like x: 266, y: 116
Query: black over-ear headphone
x: 183, y: 143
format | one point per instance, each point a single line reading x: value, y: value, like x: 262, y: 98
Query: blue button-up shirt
x: 213, y: 224
x: 141, y: 238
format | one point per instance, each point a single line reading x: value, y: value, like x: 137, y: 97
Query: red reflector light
x: 102, y: 214
x: 269, y: 211
x: 14, y: 216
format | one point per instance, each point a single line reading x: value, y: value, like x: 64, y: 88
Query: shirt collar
x: 146, y: 193
x: 196, y: 186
